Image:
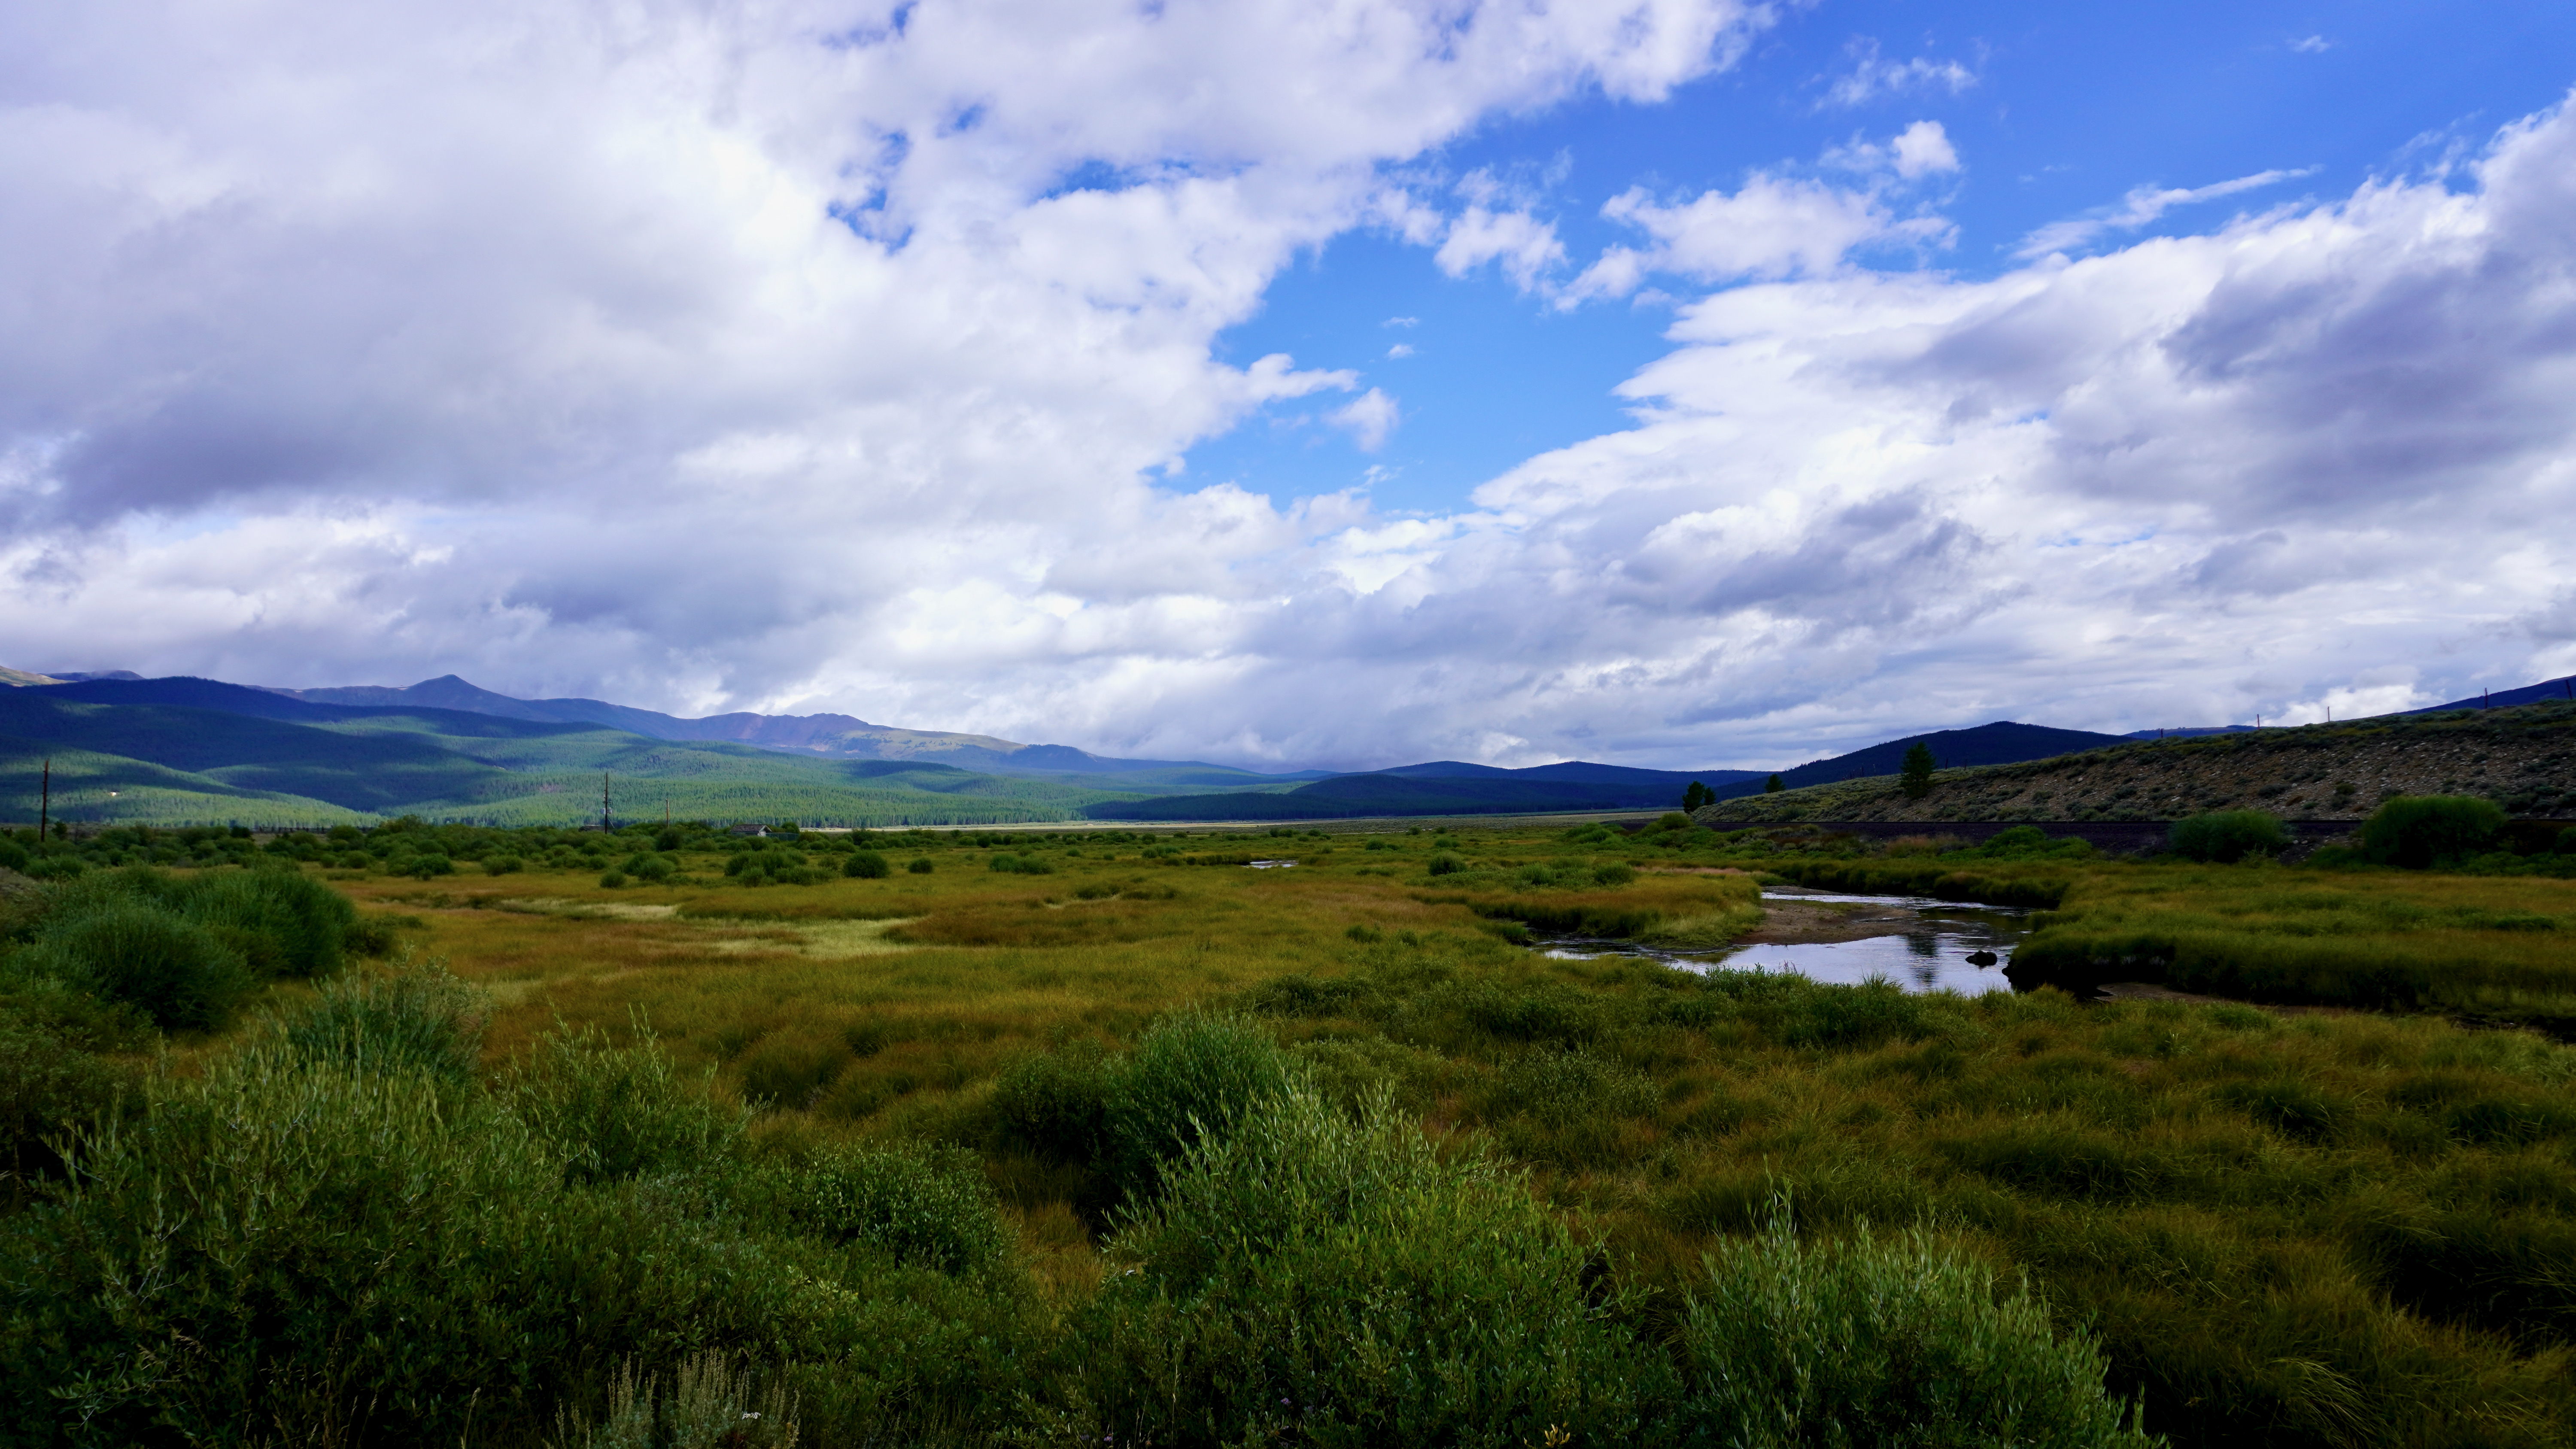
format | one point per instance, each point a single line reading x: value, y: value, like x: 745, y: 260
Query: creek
x: 1926, y: 953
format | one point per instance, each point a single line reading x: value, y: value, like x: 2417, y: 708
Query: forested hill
x: 2002, y: 743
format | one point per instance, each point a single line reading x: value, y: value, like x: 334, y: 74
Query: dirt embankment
x: 2524, y: 758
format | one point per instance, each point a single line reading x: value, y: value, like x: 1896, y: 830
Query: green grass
x: 2485, y: 947
x: 1592, y: 1196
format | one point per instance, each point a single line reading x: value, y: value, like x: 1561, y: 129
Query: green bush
x: 866, y: 865
x: 1311, y: 1277
x: 1882, y: 1342
x: 653, y: 869
x: 1444, y: 863
x: 613, y: 880
x: 422, y: 867
x: 921, y: 865
x: 1020, y: 864
x: 413, y: 1018
x: 620, y: 1112
x: 2227, y: 836
x: 52, y: 1079
x: 304, y: 923
x: 1614, y: 874
x: 329, y: 1209
x: 175, y: 970
x: 1189, y: 1077
x: 1056, y: 1104
x: 13, y: 856
x: 2415, y: 831
x: 503, y: 865
x: 913, y: 1203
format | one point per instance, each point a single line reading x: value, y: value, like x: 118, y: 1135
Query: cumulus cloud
x: 2183, y: 482
x: 1369, y: 418
x: 816, y: 357
x: 739, y: 356
x: 1526, y: 247
x: 1770, y: 227
x: 1922, y: 149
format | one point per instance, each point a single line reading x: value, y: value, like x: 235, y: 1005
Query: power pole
x: 45, y: 802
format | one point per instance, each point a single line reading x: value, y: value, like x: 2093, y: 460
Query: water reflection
x: 1928, y: 953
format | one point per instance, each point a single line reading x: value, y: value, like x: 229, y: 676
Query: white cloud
x: 2143, y: 206
x: 1401, y: 349
x: 1526, y: 247
x: 1770, y: 227
x: 1920, y: 150
x: 1924, y: 148
x: 2312, y: 45
x: 662, y: 353
x: 738, y: 356
x: 1369, y: 417
x: 2181, y: 483
x: 1873, y: 75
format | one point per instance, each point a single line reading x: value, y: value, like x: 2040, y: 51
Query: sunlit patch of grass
x: 822, y: 940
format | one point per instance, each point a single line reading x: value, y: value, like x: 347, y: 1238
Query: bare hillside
x: 2523, y: 758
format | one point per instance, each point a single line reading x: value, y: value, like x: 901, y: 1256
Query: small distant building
x: 751, y: 830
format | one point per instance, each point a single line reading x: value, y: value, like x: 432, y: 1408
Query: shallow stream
x: 1928, y: 953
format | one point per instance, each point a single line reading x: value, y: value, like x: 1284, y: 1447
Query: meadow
x: 1041, y: 1137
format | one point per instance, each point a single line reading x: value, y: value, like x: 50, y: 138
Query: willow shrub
x: 2414, y: 831
x: 185, y: 952
x: 328, y: 1230
x: 415, y: 1017
x: 1318, y: 1277
x: 2225, y: 837
x: 174, y: 970
x: 1882, y: 1341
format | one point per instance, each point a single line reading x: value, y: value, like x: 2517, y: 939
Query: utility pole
x: 45, y: 801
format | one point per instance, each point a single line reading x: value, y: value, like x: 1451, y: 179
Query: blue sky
x: 1740, y: 383
x: 2069, y: 108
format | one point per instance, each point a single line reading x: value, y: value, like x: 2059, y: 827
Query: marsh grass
x: 2327, y: 1228
x: 2479, y: 946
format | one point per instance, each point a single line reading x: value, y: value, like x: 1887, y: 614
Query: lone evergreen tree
x: 1696, y: 796
x: 1917, y: 774
x: 1773, y: 786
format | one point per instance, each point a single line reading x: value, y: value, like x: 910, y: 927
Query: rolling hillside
x: 189, y: 750
x: 837, y: 736
x: 1445, y: 787
x: 2523, y: 757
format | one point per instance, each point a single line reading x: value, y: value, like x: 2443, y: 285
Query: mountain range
x: 186, y: 749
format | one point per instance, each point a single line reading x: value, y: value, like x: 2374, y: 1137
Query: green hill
x: 172, y: 764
